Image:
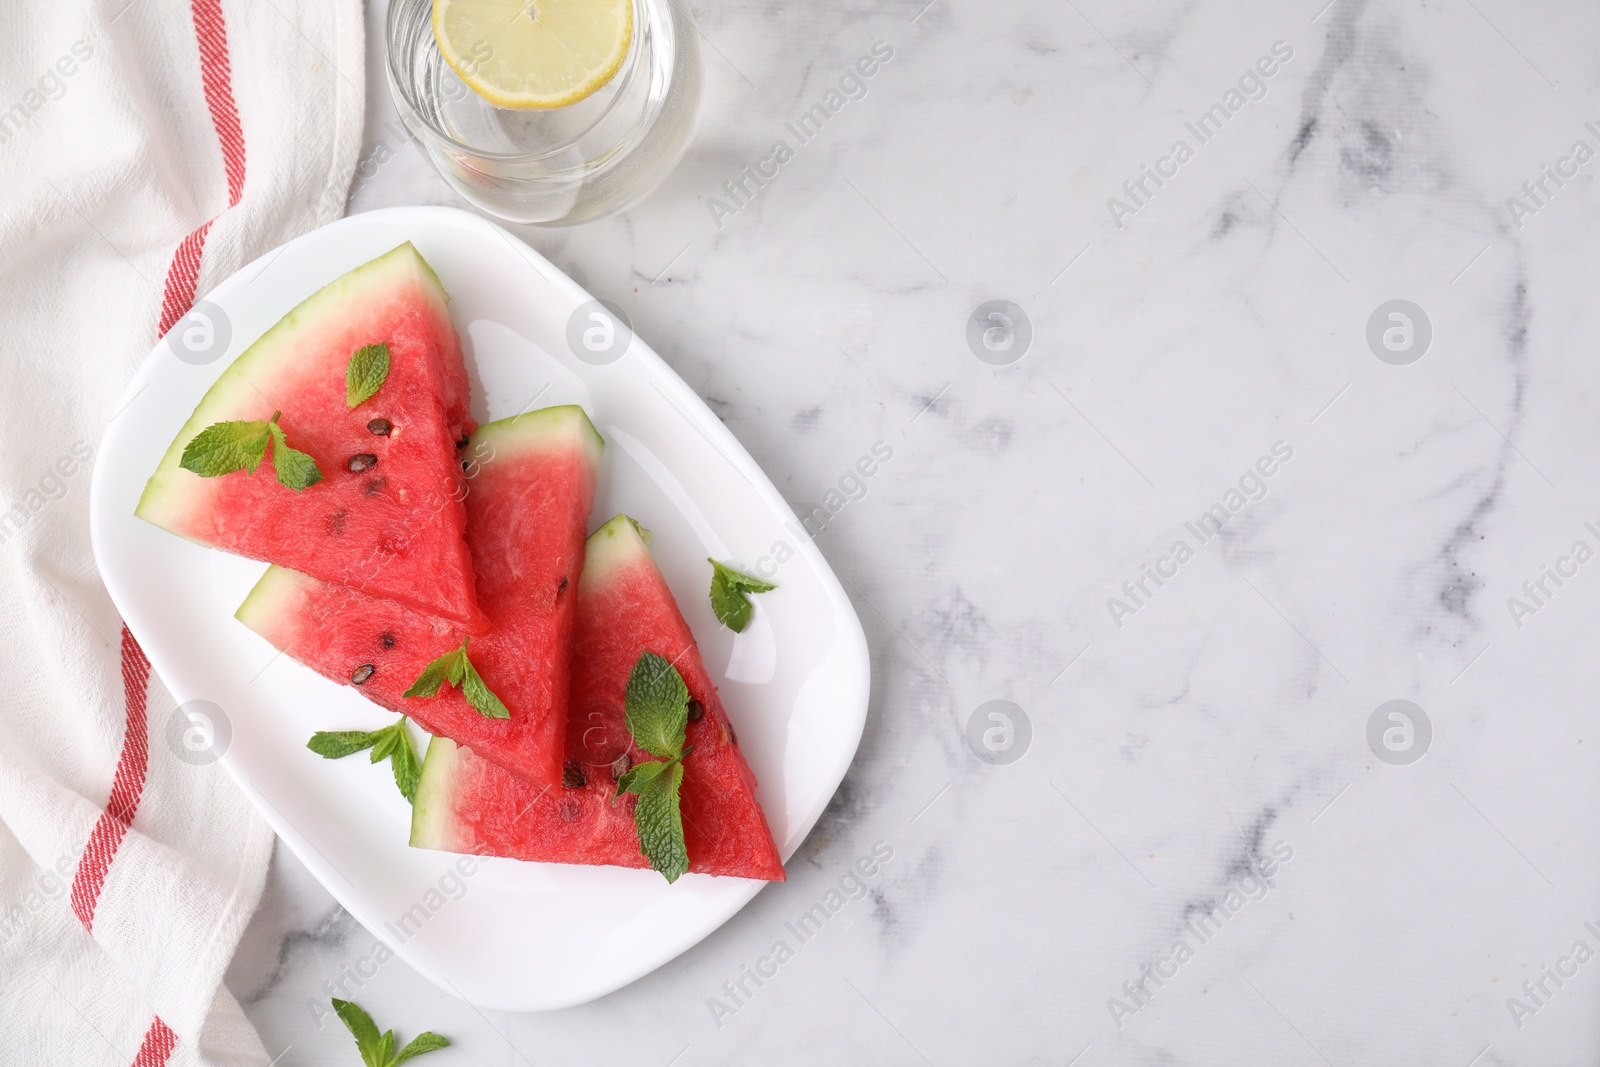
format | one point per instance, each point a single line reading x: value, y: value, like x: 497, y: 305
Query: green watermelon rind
x: 171, y: 490
x: 433, y: 812
x: 270, y: 598
x: 620, y: 541
x: 538, y: 429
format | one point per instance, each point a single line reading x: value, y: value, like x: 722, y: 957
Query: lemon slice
x: 526, y: 54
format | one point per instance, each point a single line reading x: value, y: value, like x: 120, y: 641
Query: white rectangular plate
x: 509, y: 936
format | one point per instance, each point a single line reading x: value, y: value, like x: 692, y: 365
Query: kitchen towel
x: 148, y: 148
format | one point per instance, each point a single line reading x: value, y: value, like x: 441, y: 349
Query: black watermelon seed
x: 374, y: 486
x: 562, y: 588
x: 362, y: 673
x: 387, y: 640
x: 361, y: 461
x: 466, y: 439
x: 696, y: 711
x: 381, y: 427
x: 619, y: 767
x: 572, y: 775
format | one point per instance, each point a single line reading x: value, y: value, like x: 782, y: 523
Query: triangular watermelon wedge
x: 467, y: 804
x: 531, y: 487
x: 387, y: 515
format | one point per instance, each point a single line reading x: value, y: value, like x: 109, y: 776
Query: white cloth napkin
x: 147, y: 149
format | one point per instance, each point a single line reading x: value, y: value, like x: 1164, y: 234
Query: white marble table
x: 1197, y: 714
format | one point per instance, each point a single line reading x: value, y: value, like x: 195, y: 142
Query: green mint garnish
x: 365, y: 374
x: 658, y: 816
x: 225, y: 447
x: 730, y: 595
x: 377, y: 1050
x: 656, y: 706
x: 457, y: 669
x: 295, y: 469
x: 391, y: 742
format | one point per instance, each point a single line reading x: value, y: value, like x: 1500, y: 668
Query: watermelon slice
x: 527, y: 512
x: 467, y: 804
x: 387, y: 515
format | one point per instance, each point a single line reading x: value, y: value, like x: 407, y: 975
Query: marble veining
x: 1208, y: 760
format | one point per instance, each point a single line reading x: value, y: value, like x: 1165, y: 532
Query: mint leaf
x: 730, y: 597
x: 657, y: 706
x: 446, y: 668
x: 455, y: 667
x: 460, y: 665
x: 403, y: 763
x: 342, y: 743
x: 480, y: 696
x: 378, y: 1050
x: 738, y: 579
x: 225, y: 447
x: 365, y: 374
x: 659, y: 819
x: 732, y: 607
x: 640, y: 775
x: 386, y: 739
x: 294, y: 468
x: 392, y: 743
x: 361, y: 1026
x: 423, y: 1042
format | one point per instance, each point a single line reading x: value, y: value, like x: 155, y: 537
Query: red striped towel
x: 147, y: 149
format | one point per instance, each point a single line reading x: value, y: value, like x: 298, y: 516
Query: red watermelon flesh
x: 393, y: 528
x: 466, y: 804
x: 533, y: 481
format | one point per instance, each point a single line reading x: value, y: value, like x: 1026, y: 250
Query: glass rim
x: 411, y: 113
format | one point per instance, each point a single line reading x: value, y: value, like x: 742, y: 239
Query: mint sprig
x: 294, y: 468
x: 656, y: 707
x: 392, y: 743
x: 225, y: 447
x: 730, y: 595
x: 456, y: 668
x: 377, y: 1050
x: 658, y: 815
x: 365, y: 373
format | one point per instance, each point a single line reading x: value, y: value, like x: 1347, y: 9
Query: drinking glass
x: 556, y: 166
